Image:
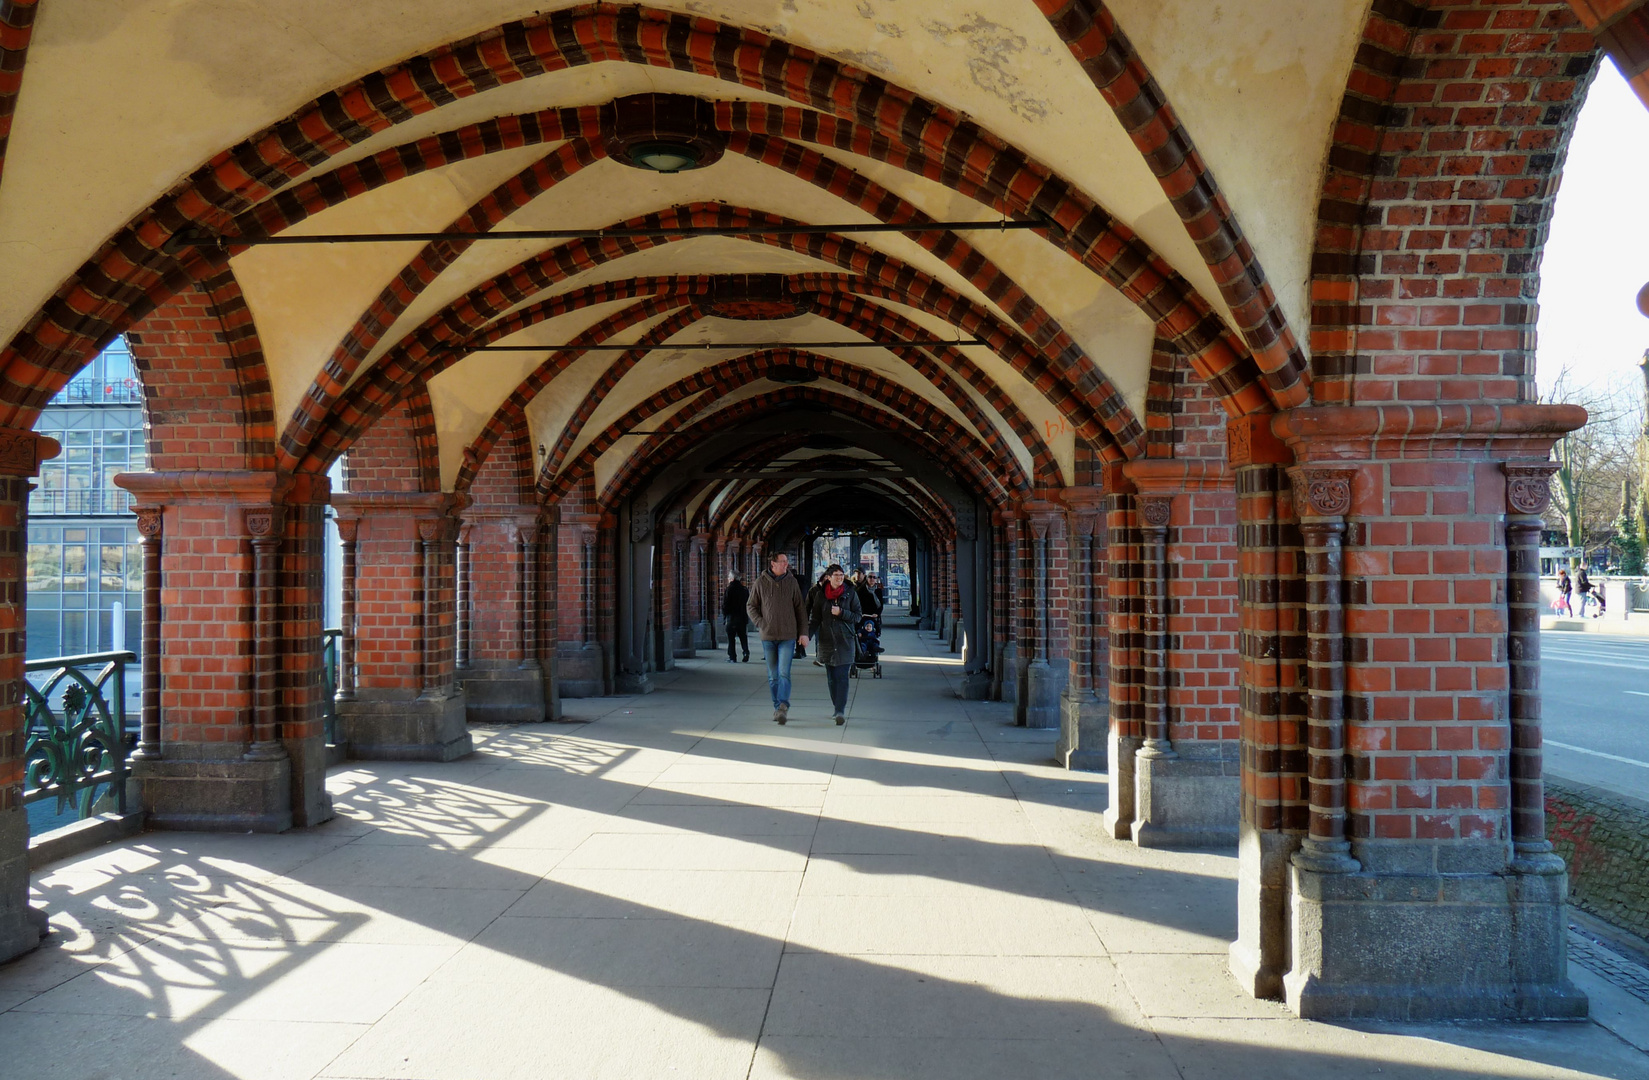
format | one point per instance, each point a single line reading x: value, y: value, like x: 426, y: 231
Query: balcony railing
x: 78, y: 502
x: 126, y: 391
x: 76, y: 738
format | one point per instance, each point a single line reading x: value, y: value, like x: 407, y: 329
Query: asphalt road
x: 1595, y: 709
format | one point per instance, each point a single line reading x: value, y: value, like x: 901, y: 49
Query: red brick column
x: 407, y: 704
x: 149, y: 526
x: 1084, y: 709
x: 1127, y: 677
x: 1272, y: 705
x: 464, y: 602
x: 240, y: 737
x: 1527, y: 496
x: 348, y: 530
x: 1322, y: 497
x: 1048, y: 670
x: 20, y: 456
x: 1421, y: 740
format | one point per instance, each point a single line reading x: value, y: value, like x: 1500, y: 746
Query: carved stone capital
x: 21, y: 452
x: 1528, y: 487
x: 348, y: 529
x: 150, y: 521
x: 434, y: 530
x: 1155, y: 511
x: 264, y: 522
x: 1321, y: 492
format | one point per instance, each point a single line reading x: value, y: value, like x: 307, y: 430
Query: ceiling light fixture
x: 664, y: 157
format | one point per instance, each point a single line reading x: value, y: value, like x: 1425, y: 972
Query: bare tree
x: 1595, y: 462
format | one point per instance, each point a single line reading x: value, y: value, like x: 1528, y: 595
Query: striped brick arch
x: 116, y: 287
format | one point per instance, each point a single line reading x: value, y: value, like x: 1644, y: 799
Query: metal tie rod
x: 706, y: 346
x: 192, y: 238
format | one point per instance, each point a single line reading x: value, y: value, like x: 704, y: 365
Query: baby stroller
x: 868, y: 655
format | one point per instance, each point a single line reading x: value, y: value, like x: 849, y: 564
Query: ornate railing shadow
x: 76, y: 738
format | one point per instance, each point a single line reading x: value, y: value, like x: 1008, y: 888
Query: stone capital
x: 1155, y: 511
x: 21, y: 452
x: 1321, y: 492
x: 348, y: 529
x: 1528, y: 486
x: 1250, y: 440
x: 151, y: 520
x: 264, y: 522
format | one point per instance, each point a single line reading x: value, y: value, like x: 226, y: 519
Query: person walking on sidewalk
x: 1583, y: 586
x: 833, y: 619
x: 738, y: 619
x: 776, y: 608
x: 1564, y: 589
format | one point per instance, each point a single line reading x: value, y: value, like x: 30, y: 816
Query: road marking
x: 1592, y: 663
x: 1598, y: 753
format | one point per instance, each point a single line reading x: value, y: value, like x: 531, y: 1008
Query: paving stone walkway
x: 678, y: 887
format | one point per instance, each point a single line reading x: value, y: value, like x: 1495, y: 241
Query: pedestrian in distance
x: 808, y: 605
x: 776, y: 608
x: 833, y: 619
x: 1564, y: 589
x: 737, y: 619
x: 1583, y: 586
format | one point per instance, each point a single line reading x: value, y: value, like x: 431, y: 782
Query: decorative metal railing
x: 330, y: 648
x: 76, y: 737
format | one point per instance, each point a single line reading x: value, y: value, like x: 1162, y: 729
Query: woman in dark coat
x: 833, y: 623
x: 738, y: 619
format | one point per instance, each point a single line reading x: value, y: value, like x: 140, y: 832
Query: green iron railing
x: 76, y: 737
x: 330, y: 651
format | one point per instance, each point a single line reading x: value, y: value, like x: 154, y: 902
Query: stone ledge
x: 391, y: 729
x: 82, y: 836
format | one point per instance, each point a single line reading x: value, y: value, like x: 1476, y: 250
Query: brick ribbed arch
x: 16, y: 29
x: 677, y: 435
x: 739, y: 371
x: 1121, y: 77
x: 1098, y: 414
x: 117, y: 285
x: 1441, y: 177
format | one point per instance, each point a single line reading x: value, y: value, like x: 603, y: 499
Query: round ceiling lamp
x: 791, y: 375
x: 664, y: 157
x: 663, y: 133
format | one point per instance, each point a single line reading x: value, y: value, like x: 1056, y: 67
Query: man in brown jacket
x: 776, y: 608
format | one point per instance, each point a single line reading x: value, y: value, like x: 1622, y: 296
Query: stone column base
x: 942, y: 625
x: 583, y: 671
x: 503, y: 693
x: 1084, y: 726
x: 187, y: 789
x: 1427, y: 947
x: 999, y: 670
x: 1189, y: 801
x: 376, y: 727
x: 976, y: 686
x: 1259, y: 956
x: 704, y: 635
x: 1119, y: 754
x: 682, y: 643
x: 634, y: 682
x: 20, y: 925
x: 1044, y: 686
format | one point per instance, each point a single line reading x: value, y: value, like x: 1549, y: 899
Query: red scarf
x: 833, y: 592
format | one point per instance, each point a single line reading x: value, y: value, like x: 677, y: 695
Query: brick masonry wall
x: 191, y: 387
x: 1604, y: 837
x: 1444, y: 164
x: 1203, y: 622
x: 206, y: 632
x: 385, y: 458
x: 1426, y: 675
x: 388, y: 605
x: 495, y: 592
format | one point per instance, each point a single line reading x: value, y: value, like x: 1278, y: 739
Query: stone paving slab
x: 672, y: 885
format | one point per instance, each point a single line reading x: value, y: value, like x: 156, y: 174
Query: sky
x: 1597, y: 256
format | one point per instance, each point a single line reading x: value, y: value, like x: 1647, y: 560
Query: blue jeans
x: 778, y: 655
x: 1585, y: 598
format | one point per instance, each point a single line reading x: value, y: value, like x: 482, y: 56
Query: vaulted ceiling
x: 1174, y: 174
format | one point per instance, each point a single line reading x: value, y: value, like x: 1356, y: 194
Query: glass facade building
x: 85, y: 567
